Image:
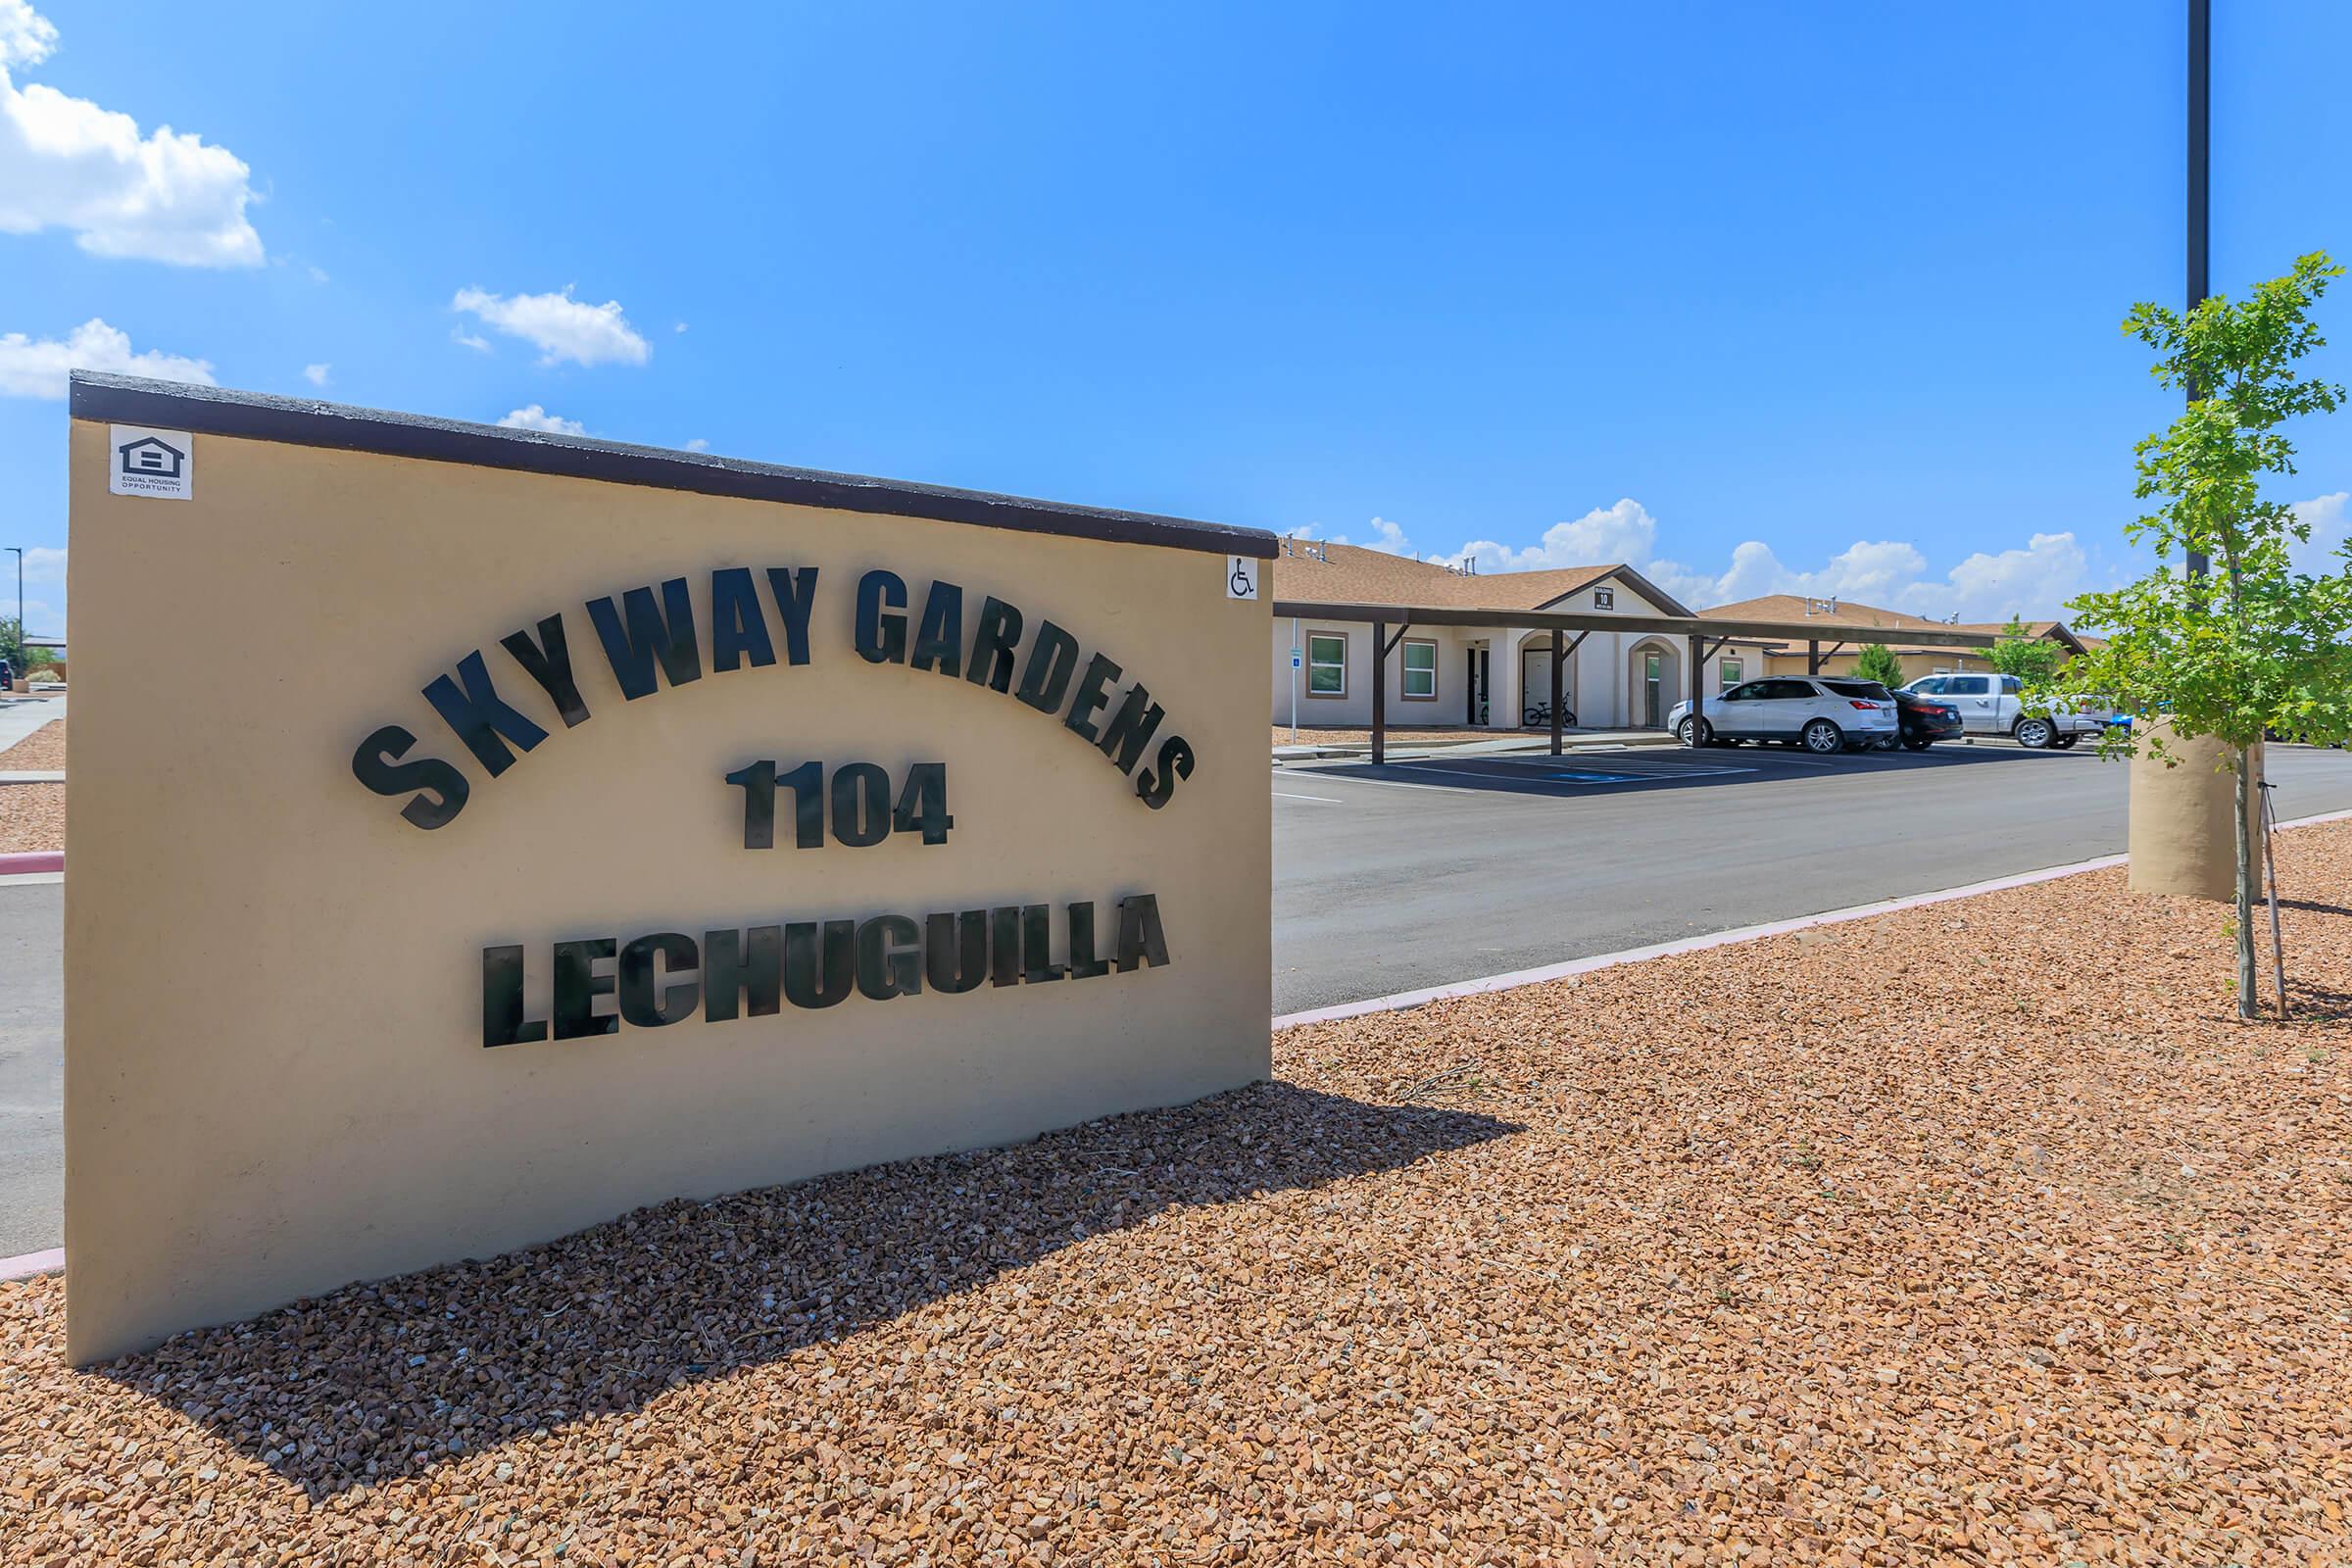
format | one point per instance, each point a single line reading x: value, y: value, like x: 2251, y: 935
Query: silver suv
x: 1820, y: 712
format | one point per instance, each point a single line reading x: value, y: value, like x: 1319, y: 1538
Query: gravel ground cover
x: 41, y: 752
x: 32, y: 817
x: 1844, y: 1246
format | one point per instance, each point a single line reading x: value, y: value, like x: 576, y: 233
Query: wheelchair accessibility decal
x: 1240, y: 577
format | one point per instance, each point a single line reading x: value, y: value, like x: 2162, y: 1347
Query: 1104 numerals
x: 855, y: 802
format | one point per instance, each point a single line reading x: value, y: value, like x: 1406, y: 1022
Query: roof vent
x: 1822, y: 607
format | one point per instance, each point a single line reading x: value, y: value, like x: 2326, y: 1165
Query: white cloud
x: 535, y: 418
x: 2034, y: 581
x: 559, y: 327
x: 471, y: 340
x: 31, y: 368
x: 679, y: 327
x: 42, y: 566
x: 2329, y: 518
x: 1625, y: 532
x: 26, y: 38
x: 1387, y: 538
x: 64, y: 162
x: 698, y: 444
x: 315, y: 374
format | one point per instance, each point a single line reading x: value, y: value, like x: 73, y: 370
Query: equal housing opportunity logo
x: 150, y: 462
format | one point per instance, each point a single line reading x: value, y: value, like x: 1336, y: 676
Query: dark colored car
x: 1925, y: 721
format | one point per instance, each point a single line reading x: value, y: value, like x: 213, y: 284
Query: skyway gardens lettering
x: 650, y: 641
x: 663, y: 978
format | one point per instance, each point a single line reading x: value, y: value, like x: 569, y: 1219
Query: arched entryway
x: 1534, y: 678
x: 1653, y: 675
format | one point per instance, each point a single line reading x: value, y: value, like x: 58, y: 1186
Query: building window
x: 1733, y: 673
x: 1604, y: 598
x: 1420, y: 671
x: 1325, y: 664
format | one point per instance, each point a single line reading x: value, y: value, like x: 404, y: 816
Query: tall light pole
x: 2200, y: 191
x: 19, y: 551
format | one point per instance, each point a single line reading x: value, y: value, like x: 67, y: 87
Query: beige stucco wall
x: 275, y: 1075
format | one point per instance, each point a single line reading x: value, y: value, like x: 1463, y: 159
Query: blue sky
x: 1796, y: 298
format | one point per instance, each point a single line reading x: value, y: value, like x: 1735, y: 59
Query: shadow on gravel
x: 393, y: 1378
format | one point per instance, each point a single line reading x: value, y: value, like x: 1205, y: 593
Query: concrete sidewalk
x: 20, y: 716
x: 1575, y: 740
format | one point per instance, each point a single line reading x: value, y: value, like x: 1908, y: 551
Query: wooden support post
x: 1698, y: 689
x: 1380, y: 689
x: 1559, y: 656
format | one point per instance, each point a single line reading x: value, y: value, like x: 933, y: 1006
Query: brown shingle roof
x: 1354, y: 576
x: 1852, y: 617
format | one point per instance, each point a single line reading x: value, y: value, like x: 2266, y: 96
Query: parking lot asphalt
x: 1440, y: 870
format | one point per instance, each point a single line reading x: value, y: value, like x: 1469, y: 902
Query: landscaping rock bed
x: 32, y: 817
x: 1842, y: 1246
x: 41, y: 752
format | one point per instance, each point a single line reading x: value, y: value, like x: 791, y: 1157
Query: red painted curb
x: 40, y: 860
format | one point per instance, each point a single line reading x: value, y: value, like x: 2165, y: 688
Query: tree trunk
x: 2249, y: 1006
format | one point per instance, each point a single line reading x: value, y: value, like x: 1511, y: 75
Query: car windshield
x: 1870, y: 689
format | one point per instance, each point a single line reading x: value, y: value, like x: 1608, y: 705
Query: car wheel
x: 1918, y: 744
x: 2035, y: 734
x: 1694, y: 732
x: 1821, y: 737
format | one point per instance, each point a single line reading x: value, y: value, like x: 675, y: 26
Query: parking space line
x: 1413, y: 784
x: 1284, y: 795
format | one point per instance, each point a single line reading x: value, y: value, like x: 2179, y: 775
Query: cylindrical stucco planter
x: 2181, y: 818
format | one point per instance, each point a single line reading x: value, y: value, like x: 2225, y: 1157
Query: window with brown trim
x: 1326, y: 663
x: 1417, y: 681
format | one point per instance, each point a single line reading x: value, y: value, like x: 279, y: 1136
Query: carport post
x: 1380, y: 687
x: 1699, y: 690
x: 1556, y: 656
x: 1813, y: 657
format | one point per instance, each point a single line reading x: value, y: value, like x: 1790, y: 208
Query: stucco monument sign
x: 478, y: 834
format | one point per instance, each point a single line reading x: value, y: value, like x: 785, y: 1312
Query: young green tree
x: 2256, y: 644
x: 2033, y: 660
x: 1876, y: 662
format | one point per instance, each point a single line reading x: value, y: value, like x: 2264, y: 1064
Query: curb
x: 32, y: 861
x: 1513, y: 981
x: 32, y: 1265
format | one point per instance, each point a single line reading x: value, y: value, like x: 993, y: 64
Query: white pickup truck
x: 1993, y: 705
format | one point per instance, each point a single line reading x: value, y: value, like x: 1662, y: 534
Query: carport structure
x: 1705, y: 638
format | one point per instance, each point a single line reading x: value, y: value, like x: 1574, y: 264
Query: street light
x: 2200, y: 162
x: 18, y: 551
